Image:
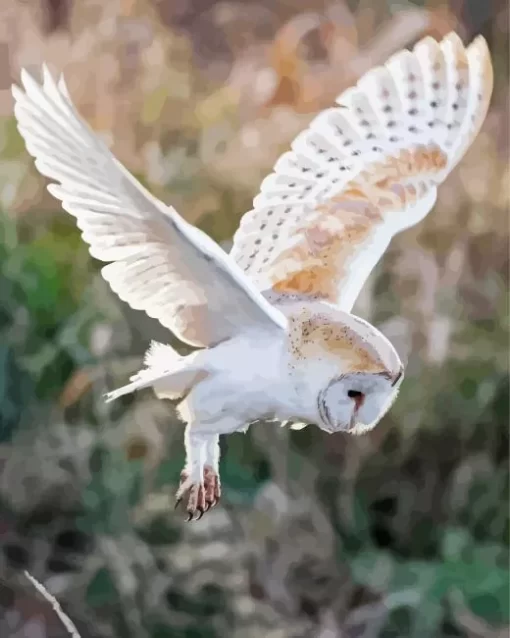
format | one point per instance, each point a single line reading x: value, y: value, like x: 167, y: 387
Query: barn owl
x: 271, y: 321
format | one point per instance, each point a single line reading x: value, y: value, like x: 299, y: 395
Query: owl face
x: 345, y: 370
x: 356, y: 402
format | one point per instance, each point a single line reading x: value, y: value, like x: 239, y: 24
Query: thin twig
x: 64, y: 619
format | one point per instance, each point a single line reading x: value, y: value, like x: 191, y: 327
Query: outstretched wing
x: 161, y: 264
x: 364, y: 171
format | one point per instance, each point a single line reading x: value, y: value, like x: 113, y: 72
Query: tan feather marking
x: 316, y: 264
x: 318, y: 335
x: 318, y: 280
x: 319, y: 261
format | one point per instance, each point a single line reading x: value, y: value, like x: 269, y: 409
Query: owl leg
x: 200, y: 480
x: 202, y: 485
x: 211, y: 473
x: 192, y: 476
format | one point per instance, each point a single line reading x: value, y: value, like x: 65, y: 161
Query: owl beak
x: 398, y: 377
x: 358, y: 401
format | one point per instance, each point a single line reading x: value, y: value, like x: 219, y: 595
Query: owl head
x: 344, y: 369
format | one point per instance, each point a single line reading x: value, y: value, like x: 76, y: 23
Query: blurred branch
x: 64, y: 618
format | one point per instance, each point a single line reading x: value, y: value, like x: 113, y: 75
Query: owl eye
x: 354, y: 394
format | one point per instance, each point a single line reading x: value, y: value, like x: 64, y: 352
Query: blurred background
x: 400, y: 533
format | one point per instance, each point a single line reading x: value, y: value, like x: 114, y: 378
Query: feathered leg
x: 200, y: 480
x: 200, y: 477
x: 211, y: 474
x: 192, y: 476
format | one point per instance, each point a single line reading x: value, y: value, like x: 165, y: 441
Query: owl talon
x: 201, y: 497
x: 212, y: 488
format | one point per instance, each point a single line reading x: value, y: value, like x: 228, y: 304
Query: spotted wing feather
x: 364, y: 171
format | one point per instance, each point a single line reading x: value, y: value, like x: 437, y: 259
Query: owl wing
x: 160, y: 263
x: 364, y: 171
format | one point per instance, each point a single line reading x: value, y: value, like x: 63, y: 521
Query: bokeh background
x: 400, y: 533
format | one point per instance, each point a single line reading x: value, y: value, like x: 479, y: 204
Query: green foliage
x: 101, y: 590
x: 16, y: 388
x: 160, y: 531
x: 423, y: 587
x: 113, y: 490
x: 42, y: 282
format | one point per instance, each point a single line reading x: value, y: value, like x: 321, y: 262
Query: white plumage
x: 272, y: 319
x: 364, y: 172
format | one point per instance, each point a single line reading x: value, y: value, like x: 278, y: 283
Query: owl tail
x: 170, y: 374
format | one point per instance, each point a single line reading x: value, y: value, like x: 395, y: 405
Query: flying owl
x: 271, y: 321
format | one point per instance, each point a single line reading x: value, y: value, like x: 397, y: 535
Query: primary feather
x: 160, y: 263
x: 364, y: 172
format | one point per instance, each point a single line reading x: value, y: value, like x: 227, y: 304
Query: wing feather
x: 364, y: 171
x: 161, y: 264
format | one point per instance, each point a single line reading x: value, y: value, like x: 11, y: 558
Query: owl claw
x: 212, y: 488
x: 201, y: 496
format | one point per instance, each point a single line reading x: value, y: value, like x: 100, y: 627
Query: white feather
x: 434, y: 97
x: 162, y: 264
